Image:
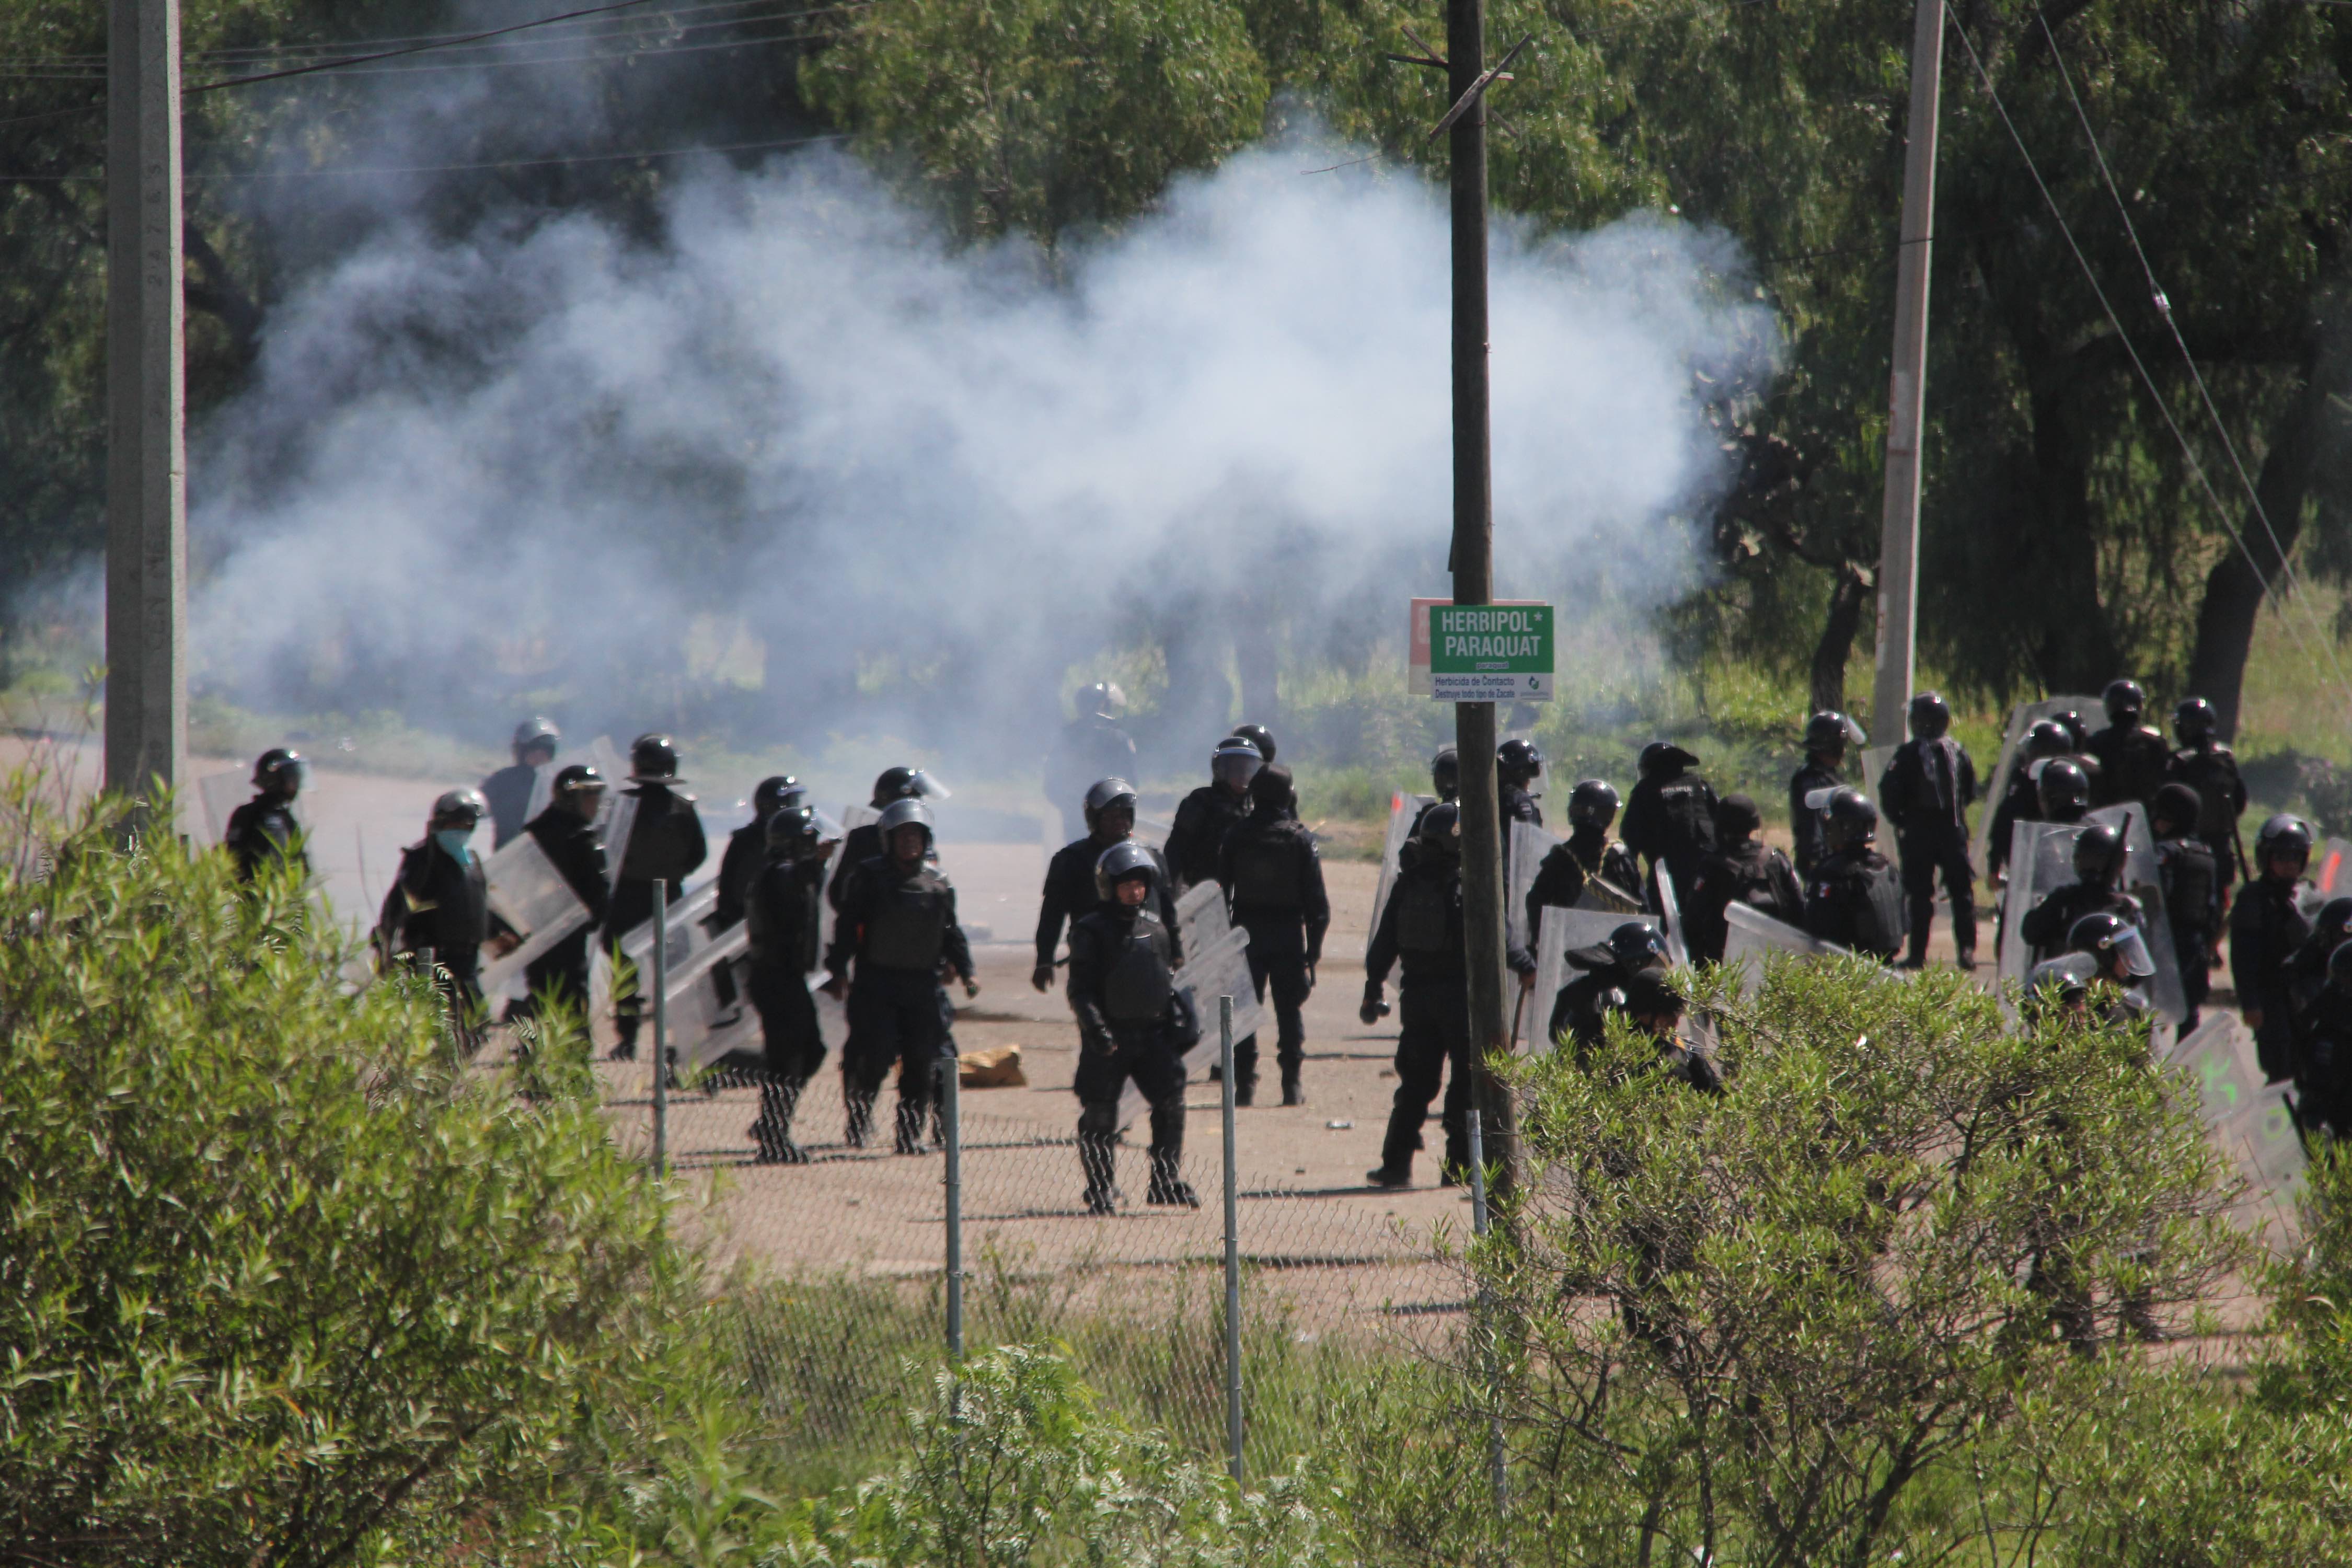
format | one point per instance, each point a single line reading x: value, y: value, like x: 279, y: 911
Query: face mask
x: 453, y: 842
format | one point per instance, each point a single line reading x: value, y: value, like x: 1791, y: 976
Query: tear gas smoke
x: 552, y: 459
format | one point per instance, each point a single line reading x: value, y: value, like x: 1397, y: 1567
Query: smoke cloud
x: 804, y: 467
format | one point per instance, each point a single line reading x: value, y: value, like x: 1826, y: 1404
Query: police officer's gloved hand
x: 1042, y: 977
x: 970, y: 987
x: 1373, y: 1007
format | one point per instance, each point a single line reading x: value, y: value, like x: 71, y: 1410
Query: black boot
x: 772, y: 1132
x: 1397, y: 1149
x: 1168, y: 1184
x: 1244, y: 1087
x: 911, y: 1127
x: 1293, y: 1092
x: 857, y: 1125
x: 1096, y: 1159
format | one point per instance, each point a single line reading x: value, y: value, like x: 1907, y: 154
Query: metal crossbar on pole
x: 1234, y: 1430
x: 951, y: 1119
x: 661, y: 1028
x: 1484, y: 1327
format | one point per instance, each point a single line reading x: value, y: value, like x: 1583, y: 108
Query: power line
x: 455, y: 168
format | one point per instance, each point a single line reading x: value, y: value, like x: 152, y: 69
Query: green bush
x: 281, y: 1283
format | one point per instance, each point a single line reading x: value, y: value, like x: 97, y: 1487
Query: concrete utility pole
x: 1474, y: 566
x: 146, y: 455
x: 1898, y: 548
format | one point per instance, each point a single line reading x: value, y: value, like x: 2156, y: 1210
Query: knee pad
x: 1099, y: 1119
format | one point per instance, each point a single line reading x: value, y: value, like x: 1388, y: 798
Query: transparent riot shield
x: 2042, y: 860
x: 1403, y: 810
x: 1563, y: 931
x: 685, y: 933
x: 1755, y: 936
x: 614, y: 769
x: 1527, y: 845
x: 1875, y: 763
x: 619, y: 815
x: 530, y: 895
x: 1599, y: 893
x: 543, y: 789
x: 222, y: 794
x: 2217, y: 1056
x: 1201, y: 920
x: 2331, y: 876
x: 1218, y: 968
x: 2269, y: 1146
x: 2023, y: 716
x: 1670, y: 914
x: 702, y: 1028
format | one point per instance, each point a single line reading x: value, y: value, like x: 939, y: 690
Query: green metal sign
x: 1490, y: 653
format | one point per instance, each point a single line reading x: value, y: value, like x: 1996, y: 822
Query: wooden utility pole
x: 146, y: 455
x: 1898, y: 548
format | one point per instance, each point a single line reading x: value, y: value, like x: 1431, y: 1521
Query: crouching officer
x: 1580, y: 1012
x: 1587, y: 853
x: 2266, y: 929
x: 1928, y: 788
x: 1070, y: 891
x: 782, y: 911
x: 1854, y: 897
x: 1652, y: 1005
x: 898, y: 927
x: 437, y: 912
x: 1131, y: 1026
x: 665, y: 844
x: 2118, y: 955
x: 1421, y: 926
x: 263, y: 830
x: 1274, y: 880
x: 2048, y: 926
x: 566, y: 834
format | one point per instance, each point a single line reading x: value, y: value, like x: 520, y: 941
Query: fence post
x: 951, y: 1103
x: 1233, y: 1249
x: 1494, y: 1456
x: 661, y: 1028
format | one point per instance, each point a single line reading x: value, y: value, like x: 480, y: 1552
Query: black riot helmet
x: 1592, y: 803
x: 1270, y: 789
x: 1122, y: 861
x: 1104, y: 794
x: 1257, y: 735
x: 1737, y: 817
x: 2098, y: 856
x: 577, y: 779
x: 1663, y: 759
x: 1103, y: 699
x: 653, y: 759
x: 2064, y: 790
x: 2066, y: 979
x: 2177, y: 803
x: 1831, y: 732
x: 1517, y: 761
x: 2283, y: 835
x: 460, y: 808
x: 1234, y: 763
x: 2194, y: 720
x: 2116, y: 943
x: 280, y: 772
x: 1849, y: 820
x: 894, y: 784
x: 1441, y: 830
x: 2048, y: 737
x: 1445, y: 773
x: 1931, y: 716
x: 535, y: 733
x: 791, y: 829
x: 2072, y: 722
x: 1637, y: 945
x: 773, y: 794
x: 2334, y: 922
x: 2124, y: 700
x: 2339, y: 967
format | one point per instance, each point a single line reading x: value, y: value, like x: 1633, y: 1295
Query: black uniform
x: 859, y: 845
x: 2022, y: 802
x: 1586, y: 853
x: 1273, y: 887
x: 1070, y: 895
x: 1517, y: 805
x: 740, y: 864
x: 509, y: 791
x: 2133, y: 761
x: 1927, y: 790
x: 1805, y: 822
x: 781, y: 915
x: 899, y: 926
x: 2211, y: 770
x: 261, y: 830
x: 1580, y: 1012
x: 2188, y: 873
x: 2045, y: 926
x: 665, y: 837
x: 1420, y: 925
x: 2322, y: 1063
x: 1671, y: 820
x: 1854, y: 898
x: 575, y: 850
x: 2267, y: 928
x: 1122, y: 963
x: 441, y: 905
x: 1748, y: 872
x: 1203, y: 819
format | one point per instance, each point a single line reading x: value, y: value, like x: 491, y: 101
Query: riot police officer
x: 2048, y: 926
x: 1198, y: 834
x: 2266, y: 927
x: 2323, y: 1065
x: 1518, y: 765
x: 1606, y: 972
x: 1092, y: 746
x: 2191, y: 880
x: 1741, y: 869
x: 2306, y: 972
x: 509, y: 790
x: 747, y: 848
x: 1445, y: 779
x: 1827, y: 735
x: 2063, y: 789
x: 438, y: 910
x: 666, y: 843
x: 2132, y: 757
x: 2118, y: 953
x: 2021, y: 801
x: 1854, y: 897
x: 1670, y: 816
x: 1273, y: 887
x: 1421, y: 926
x: 896, y: 928
x: 1257, y: 735
x: 1130, y: 1027
x: 1928, y: 788
x: 1587, y: 853
x: 1652, y: 1005
x: 2207, y: 766
x: 263, y: 830
x: 1071, y: 889
x: 783, y: 911
x: 864, y: 842
x: 566, y: 833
